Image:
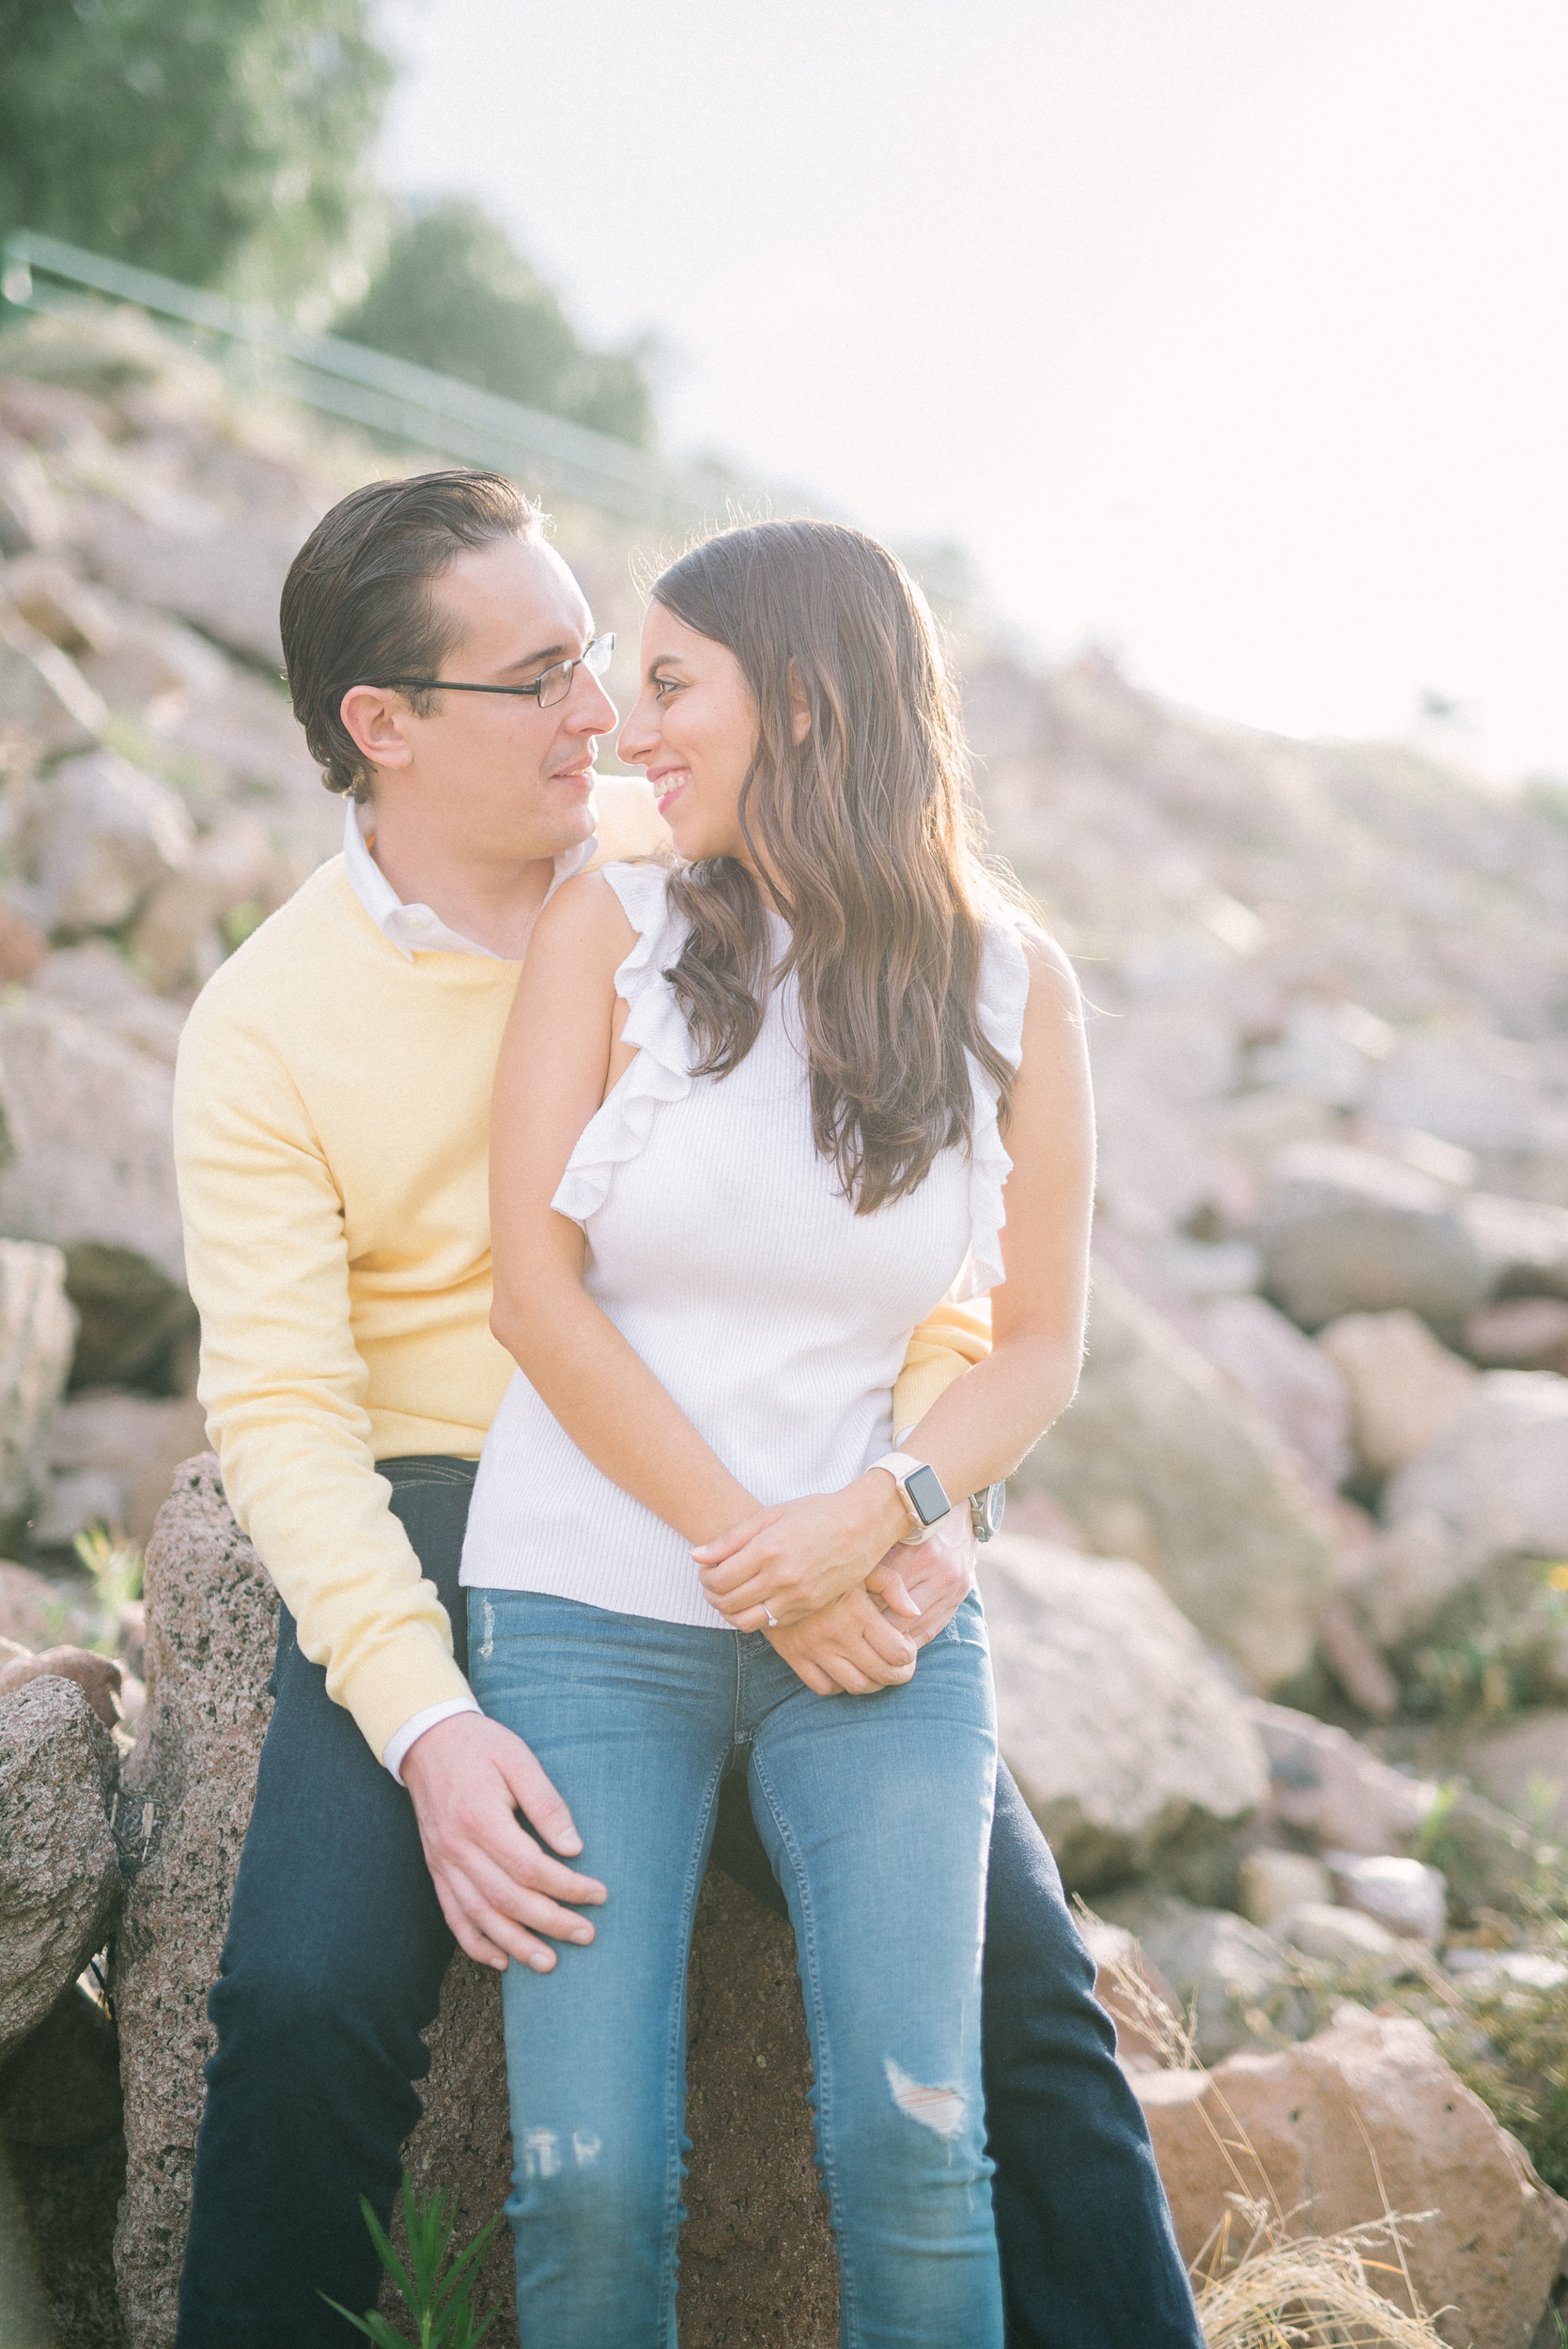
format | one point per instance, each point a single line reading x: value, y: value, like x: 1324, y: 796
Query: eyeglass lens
x: 555, y: 683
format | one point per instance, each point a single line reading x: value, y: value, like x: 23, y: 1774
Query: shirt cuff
x: 398, y: 1744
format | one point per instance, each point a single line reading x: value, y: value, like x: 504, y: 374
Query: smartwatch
x: 986, y: 1509
x: 920, y: 1488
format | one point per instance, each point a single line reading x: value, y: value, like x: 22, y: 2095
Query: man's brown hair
x: 357, y: 607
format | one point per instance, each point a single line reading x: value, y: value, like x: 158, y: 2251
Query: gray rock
x: 1345, y: 1230
x: 1126, y: 1738
x: 1271, y: 1885
x: 46, y: 705
x: 1496, y: 1479
x: 1234, y: 1979
x: 91, y: 1126
x: 1403, y: 1385
x: 1524, y: 1243
x: 1162, y: 1460
x: 226, y: 576
x: 1341, y: 1936
x: 93, y: 839
x: 60, y: 2124
x: 133, y: 1442
x: 100, y: 985
x: 38, y: 1332
x: 59, y: 1874
x: 1408, y: 1898
x: 1324, y: 1783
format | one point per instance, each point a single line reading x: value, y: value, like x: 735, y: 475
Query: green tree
x: 220, y: 141
x: 453, y: 293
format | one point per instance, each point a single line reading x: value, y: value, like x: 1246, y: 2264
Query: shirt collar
x: 418, y: 929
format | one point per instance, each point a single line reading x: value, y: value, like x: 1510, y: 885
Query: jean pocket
x: 965, y: 1626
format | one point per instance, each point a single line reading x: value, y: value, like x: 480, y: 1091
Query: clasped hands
x: 824, y: 1580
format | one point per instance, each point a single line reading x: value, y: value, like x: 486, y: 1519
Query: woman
x: 748, y: 1124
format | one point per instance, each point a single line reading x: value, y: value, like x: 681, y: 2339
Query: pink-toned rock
x: 1523, y: 1334
x: 1334, y: 2133
x: 1402, y: 1384
x: 1118, y: 1953
x: 97, y: 1676
x: 1301, y: 1392
x: 1323, y: 1783
x: 27, y: 1607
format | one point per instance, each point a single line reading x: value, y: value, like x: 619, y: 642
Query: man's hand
x: 847, y: 1648
x: 469, y: 1777
x: 936, y: 1576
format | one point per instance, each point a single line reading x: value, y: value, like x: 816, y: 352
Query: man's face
x: 493, y: 772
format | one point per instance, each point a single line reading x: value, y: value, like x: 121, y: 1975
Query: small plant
x: 437, y: 2302
x: 116, y: 1567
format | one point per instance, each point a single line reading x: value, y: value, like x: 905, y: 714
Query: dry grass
x: 1260, y: 2285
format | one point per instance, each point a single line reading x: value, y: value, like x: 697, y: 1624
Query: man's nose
x: 590, y: 710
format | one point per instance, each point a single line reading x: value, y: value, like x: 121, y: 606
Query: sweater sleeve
x: 282, y: 1380
x: 950, y: 1340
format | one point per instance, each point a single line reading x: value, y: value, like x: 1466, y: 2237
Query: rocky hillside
x: 1281, y: 1617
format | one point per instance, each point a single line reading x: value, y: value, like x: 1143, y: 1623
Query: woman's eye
x: 662, y: 685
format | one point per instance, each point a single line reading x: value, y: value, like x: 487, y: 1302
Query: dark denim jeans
x: 333, y: 1967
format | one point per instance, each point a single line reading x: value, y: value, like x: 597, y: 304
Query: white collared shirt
x: 419, y: 929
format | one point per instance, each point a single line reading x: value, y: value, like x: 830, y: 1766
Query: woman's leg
x: 876, y: 1813
x: 632, y: 1721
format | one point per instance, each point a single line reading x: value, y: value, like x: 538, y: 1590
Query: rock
x: 99, y: 985
x: 1125, y: 1739
x: 91, y: 1126
x: 1496, y: 1479
x: 135, y: 1443
x: 1342, y: 1936
x: 1504, y: 1969
x: 1303, y: 1395
x: 94, y: 838
x: 176, y: 937
x: 1326, y: 1050
x: 1364, y: 2118
x: 60, y: 2122
x: 226, y: 576
x: 29, y: 515
x: 1159, y: 1459
x: 1142, y: 2039
x: 1324, y: 1783
x: 1356, y: 1664
x: 138, y: 1328
x: 1345, y: 1230
x: 1272, y: 1884
x: 97, y: 1676
x: 22, y: 946
x: 46, y: 592
x: 1406, y: 1578
x: 1525, y: 1770
x: 757, y: 2239
x: 1407, y: 1899
x: 1403, y: 1385
x: 211, y: 1629
x: 1524, y: 1243
x: 29, y: 1609
x: 1522, y: 1334
x: 59, y: 1876
x: 47, y: 707
x: 1231, y: 1979
x: 38, y: 1332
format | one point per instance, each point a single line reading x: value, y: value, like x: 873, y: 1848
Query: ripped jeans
x: 875, y: 1815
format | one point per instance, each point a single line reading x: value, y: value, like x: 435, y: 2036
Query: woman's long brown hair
x: 867, y: 833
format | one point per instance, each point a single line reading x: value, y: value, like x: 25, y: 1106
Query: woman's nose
x: 635, y: 747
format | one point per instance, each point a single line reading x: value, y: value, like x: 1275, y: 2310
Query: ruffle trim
x: 1003, y: 998
x: 661, y: 1071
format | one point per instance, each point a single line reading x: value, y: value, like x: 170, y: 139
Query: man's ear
x: 800, y: 708
x: 376, y: 722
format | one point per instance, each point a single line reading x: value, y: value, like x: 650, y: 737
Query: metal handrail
x: 414, y: 404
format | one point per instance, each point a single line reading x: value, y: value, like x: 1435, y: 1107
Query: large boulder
x: 1345, y: 1230
x: 1162, y: 1460
x: 758, y: 2240
x: 59, y: 1872
x: 91, y: 1122
x: 1404, y: 1385
x: 92, y: 841
x: 224, y: 573
x: 1325, y: 1785
x: 38, y: 1332
x: 1494, y: 1480
x: 1365, y: 2120
x: 1126, y: 1740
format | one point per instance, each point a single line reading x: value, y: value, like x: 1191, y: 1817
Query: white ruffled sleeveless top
x: 722, y: 1247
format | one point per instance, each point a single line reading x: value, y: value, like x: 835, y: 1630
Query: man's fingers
x: 538, y: 1801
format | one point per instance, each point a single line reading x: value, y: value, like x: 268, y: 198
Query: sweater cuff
x: 408, y: 1675
x: 397, y: 1747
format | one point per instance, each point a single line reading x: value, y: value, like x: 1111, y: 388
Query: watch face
x: 927, y: 1496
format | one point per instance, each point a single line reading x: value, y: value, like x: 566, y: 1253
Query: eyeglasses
x: 551, y: 686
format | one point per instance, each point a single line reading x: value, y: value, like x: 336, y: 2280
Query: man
x: 332, y: 1118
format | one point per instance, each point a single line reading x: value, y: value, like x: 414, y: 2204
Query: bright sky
x: 1232, y: 333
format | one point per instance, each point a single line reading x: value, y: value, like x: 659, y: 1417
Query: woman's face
x: 694, y: 731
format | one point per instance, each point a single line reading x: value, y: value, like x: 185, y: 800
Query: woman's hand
x: 790, y: 1562
x: 847, y: 1649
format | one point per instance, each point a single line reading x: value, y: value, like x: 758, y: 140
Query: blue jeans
x: 333, y: 1967
x: 875, y: 1816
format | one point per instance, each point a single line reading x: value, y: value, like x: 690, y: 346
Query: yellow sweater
x: 331, y: 1134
